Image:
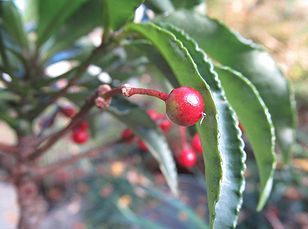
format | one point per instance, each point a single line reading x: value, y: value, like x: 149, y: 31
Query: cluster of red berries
x: 160, y: 119
x: 188, y: 155
x: 187, y: 158
x: 80, y: 133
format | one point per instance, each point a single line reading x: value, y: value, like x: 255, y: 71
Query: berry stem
x: 129, y: 91
x: 183, y: 137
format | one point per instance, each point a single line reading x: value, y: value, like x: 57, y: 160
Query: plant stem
x: 7, y: 149
x: 75, y: 120
x: 183, y: 137
x: 130, y: 91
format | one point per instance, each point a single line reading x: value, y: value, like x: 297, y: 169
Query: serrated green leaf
x: 224, y: 193
x: 52, y: 14
x: 255, y: 117
x: 10, y: 18
x: 232, y: 50
x: 118, y: 13
x: 147, y: 130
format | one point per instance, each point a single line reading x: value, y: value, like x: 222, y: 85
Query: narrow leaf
x: 118, y: 13
x: 255, y: 117
x: 11, y: 20
x: 52, y: 14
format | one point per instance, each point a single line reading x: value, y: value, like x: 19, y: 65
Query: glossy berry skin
x: 187, y: 158
x: 184, y: 106
x: 196, y: 143
x: 80, y: 136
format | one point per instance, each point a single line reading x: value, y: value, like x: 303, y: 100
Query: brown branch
x: 43, y: 171
x: 56, y: 136
x: 8, y: 149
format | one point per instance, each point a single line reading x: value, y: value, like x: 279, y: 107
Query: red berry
x: 142, y: 146
x: 187, y: 158
x: 165, y: 125
x: 196, y: 143
x: 154, y: 115
x: 80, y: 136
x: 127, y: 135
x: 68, y: 111
x: 184, y: 106
x: 84, y: 125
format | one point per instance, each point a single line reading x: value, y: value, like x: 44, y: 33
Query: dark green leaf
x: 142, y: 125
x: 253, y: 62
x: 255, y: 117
x: 52, y: 14
x: 83, y: 21
x: 118, y: 13
x: 160, y: 6
x: 10, y: 18
x: 225, y: 182
x: 186, y: 3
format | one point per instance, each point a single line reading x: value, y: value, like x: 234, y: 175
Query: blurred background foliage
x: 117, y: 191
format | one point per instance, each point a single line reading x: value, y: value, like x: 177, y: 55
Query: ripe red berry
x: 196, y: 143
x: 165, y: 125
x: 68, y: 111
x: 154, y: 115
x: 187, y: 158
x: 184, y: 106
x: 127, y: 135
x: 84, y: 125
x: 142, y: 146
x: 80, y: 136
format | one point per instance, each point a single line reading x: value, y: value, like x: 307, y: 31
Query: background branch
x: 75, y: 120
x: 43, y: 171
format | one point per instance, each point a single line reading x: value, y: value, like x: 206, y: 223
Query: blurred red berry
x: 68, y: 111
x: 80, y: 136
x: 142, y: 146
x: 127, y: 135
x: 154, y: 115
x: 196, y: 143
x: 187, y: 158
x: 165, y: 125
x: 84, y: 125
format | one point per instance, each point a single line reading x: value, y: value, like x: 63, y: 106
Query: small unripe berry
x: 80, y: 136
x: 184, y: 106
x: 187, y: 158
x: 127, y: 135
x: 196, y: 143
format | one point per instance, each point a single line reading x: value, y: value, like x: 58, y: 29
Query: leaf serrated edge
x: 233, y: 117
